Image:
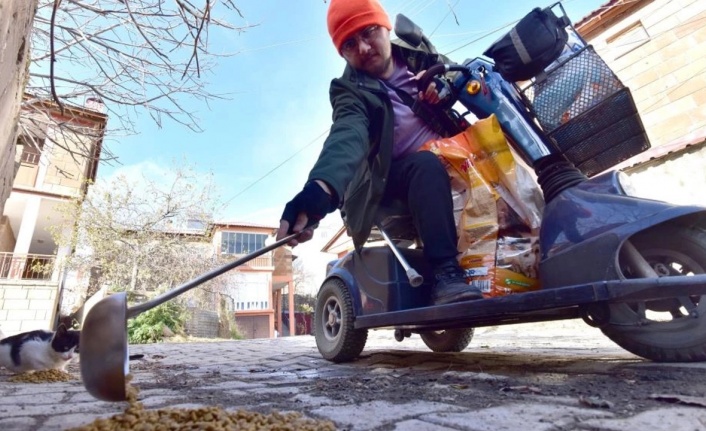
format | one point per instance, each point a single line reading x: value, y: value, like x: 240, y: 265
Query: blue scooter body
x: 580, y: 238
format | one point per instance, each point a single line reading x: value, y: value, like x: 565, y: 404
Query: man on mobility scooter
x: 371, y: 155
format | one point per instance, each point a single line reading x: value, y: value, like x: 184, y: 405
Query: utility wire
x: 450, y: 11
x: 485, y: 34
x: 420, y: 5
x: 276, y: 167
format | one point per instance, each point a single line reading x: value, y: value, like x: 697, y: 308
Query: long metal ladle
x: 103, y: 342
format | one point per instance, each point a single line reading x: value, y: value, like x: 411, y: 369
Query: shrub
x: 148, y: 327
x: 235, y: 332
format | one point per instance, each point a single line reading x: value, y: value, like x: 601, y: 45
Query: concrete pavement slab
x: 531, y: 377
x: 535, y: 417
x: 683, y: 419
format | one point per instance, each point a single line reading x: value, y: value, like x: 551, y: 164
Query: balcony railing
x: 260, y: 262
x: 26, y: 266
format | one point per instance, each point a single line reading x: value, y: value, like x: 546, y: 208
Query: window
x: 31, y: 149
x: 241, y: 242
x: 195, y: 224
x: 627, y: 40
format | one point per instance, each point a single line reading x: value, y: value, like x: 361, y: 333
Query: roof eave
x: 613, y: 10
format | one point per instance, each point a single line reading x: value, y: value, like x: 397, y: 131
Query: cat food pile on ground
x: 204, y: 418
x: 42, y: 376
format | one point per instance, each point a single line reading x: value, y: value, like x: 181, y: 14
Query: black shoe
x: 451, y: 285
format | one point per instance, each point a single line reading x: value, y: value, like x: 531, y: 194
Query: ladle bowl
x: 103, y: 343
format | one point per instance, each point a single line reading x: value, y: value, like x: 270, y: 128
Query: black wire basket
x: 588, y: 112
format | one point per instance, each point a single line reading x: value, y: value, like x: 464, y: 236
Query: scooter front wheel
x: 668, y: 330
x: 334, y: 317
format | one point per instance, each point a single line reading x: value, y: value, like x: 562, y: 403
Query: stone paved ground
x: 510, y: 378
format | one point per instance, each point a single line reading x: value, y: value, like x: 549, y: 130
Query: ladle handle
x: 166, y: 296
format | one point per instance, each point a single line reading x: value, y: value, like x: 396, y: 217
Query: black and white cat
x: 39, y: 350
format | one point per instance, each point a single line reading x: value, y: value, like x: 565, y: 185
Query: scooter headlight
x: 626, y: 184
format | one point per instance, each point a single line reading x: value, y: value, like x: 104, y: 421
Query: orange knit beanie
x: 346, y: 17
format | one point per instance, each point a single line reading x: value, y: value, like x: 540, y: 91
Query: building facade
x: 657, y: 48
x: 257, y: 288
x: 56, y: 159
x: 15, y: 26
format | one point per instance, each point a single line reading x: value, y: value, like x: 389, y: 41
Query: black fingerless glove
x: 313, y: 201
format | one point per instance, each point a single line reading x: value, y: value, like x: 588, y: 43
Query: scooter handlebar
x: 429, y: 75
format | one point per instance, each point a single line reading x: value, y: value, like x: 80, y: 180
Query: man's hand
x: 302, y: 214
x: 432, y: 95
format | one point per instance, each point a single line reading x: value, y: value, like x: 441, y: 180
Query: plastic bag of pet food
x: 498, y: 220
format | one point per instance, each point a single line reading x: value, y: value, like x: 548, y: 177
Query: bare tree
x: 143, y: 236
x: 302, y: 277
x: 125, y: 56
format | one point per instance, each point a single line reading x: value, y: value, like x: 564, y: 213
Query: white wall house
x: 53, y: 165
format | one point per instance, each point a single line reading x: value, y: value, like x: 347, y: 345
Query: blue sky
x: 261, y: 143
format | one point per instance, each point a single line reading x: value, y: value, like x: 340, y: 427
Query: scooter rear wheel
x: 670, y: 330
x: 334, y: 317
x: 448, y: 340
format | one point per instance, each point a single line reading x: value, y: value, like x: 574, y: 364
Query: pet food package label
x: 497, y: 209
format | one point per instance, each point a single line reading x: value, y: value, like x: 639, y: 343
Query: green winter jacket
x: 356, y: 156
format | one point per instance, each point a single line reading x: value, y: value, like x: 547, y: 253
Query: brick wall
x: 202, y: 323
x: 16, y: 18
x: 26, y: 306
x: 658, y: 49
x: 665, y: 68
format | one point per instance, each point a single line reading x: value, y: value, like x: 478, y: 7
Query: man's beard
x: 378, y: 70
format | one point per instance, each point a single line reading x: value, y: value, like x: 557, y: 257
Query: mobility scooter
x: 633, y: 267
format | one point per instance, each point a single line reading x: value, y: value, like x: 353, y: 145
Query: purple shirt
x: 411, y: 132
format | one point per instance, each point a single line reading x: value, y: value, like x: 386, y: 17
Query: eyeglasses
x: 368, y: 34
